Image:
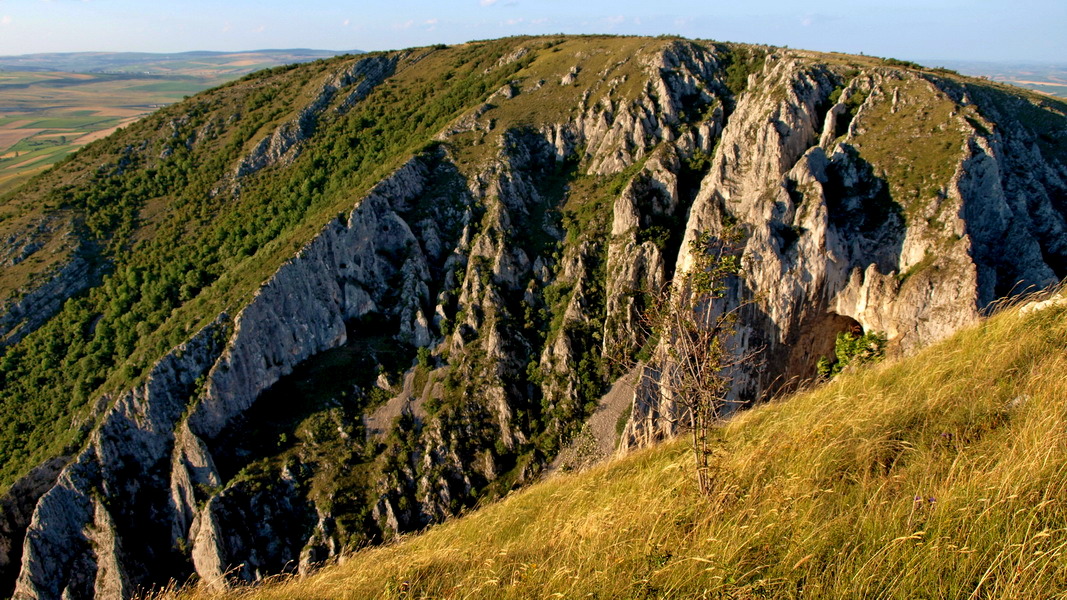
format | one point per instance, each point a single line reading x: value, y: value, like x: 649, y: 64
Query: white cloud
x: 539, y: 21
x: 817, y: 19
x: 405, y: 25
x: 226, y: 27
x: 260, y: 29
x: 682, y: 22
x: 616, y: 20
x: 487, y: 2
x: 346, y: 23
x: 514, y: 21
x: 5, y: 20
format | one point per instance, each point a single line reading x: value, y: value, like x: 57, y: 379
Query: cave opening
x: 812, y: 342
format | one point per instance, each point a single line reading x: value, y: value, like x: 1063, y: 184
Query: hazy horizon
x: 948, y: 30
x: 925, y: 61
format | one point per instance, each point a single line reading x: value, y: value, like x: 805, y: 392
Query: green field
x: 47, y: 114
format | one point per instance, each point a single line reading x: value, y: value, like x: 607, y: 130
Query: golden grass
x: 940, y: 476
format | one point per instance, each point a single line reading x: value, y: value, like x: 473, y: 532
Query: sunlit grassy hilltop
x: 940, y: 476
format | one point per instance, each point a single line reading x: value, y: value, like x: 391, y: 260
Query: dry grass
x: 940, y: 476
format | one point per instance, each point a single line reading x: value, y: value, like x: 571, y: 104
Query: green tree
x: 694, y: 325
x: 850, y: 348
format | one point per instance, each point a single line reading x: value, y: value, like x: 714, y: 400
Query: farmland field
x: 1048, y: 78
x: 50, y: 105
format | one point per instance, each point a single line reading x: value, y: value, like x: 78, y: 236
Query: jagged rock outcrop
x: 16, y: 511
x: 350, y: 272
x: 251, y: 526
x: 644, y: 230
x: 283, y: 145
x: 21, y: 316
x: 503, y: 273
x: 831, y: 242
x: 103, y: 528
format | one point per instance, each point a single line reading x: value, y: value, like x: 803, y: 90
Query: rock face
x: 503, y: 275
x: 19, y: 317
x: 283, y: 145
x: 16, y: 510
x: 251, y: 528
x: 104, y: 527
x: 835, y: 242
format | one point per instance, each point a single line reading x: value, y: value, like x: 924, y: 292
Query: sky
x: 921, y: 30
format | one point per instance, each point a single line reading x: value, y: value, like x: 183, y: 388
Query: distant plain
x: 52, y: 104
x: 1050, y: 79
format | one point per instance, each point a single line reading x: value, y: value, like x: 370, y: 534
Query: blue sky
x: 997, y: 30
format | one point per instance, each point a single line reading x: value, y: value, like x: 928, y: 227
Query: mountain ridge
x: 509, y: 198
x: 56, y: 103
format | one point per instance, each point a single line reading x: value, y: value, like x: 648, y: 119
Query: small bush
x: 424, y: 357
x: 850, y: 348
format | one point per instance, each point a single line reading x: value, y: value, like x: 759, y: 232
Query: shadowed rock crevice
x: 861, y: 208
x: 16, y: 511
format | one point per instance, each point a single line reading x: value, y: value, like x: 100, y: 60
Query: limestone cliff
x: 842, y: 233
x: 438, y: 341
x: 103, y: 527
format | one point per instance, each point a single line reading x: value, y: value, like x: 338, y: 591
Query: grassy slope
x: 942, y: 475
